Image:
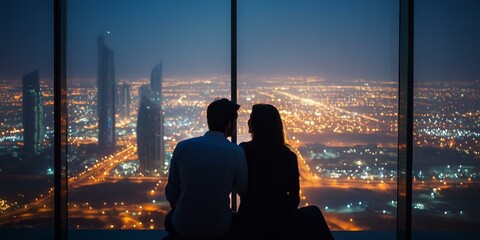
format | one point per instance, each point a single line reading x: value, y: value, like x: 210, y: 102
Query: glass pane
x: 330, y: 67
x: 446, y: 173
x: 26, y: 119
x: 140, y: 76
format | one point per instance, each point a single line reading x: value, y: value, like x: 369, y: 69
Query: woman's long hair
x: 266, y: 125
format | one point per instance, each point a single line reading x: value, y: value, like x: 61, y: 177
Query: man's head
x: 222, y: 116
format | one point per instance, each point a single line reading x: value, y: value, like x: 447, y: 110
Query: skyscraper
x: 106, y: 96
x: 32, y: 107
x: 124, y: 101
x: 150, y: 143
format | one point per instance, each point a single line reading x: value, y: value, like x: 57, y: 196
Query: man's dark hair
x: 220, y: 112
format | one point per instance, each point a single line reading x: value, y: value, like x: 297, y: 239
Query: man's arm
x: 172, y: 190
x: 241, y: 175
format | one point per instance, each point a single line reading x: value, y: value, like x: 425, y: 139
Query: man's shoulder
x: 202, y: 140
x: 190, y: 140
x: 187, y: 142
x: 229, y: 146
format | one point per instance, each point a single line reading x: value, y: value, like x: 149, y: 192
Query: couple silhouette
x: 264, y: 172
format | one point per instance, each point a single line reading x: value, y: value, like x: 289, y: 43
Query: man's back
x: 203, y: 172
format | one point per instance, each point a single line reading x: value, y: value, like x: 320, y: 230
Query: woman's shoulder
x: 248, y: 147
x: 285, y: 149
x: 245, y: 144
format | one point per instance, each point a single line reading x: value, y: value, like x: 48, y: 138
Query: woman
x: 268, y: 208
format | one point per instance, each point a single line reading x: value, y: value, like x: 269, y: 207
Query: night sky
x: 338, y: 40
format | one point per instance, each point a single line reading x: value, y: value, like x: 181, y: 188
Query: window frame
x: 405, y: 120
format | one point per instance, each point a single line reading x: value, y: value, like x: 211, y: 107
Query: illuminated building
x: 150, y: 144
x: 32, y: 107
x: 124, y: 101
x: 106, y: 96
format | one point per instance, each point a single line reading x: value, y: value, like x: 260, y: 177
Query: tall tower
x: 106, y: 97
x: 124, y: 101
x: 32, y: 107
x: 150, y: 143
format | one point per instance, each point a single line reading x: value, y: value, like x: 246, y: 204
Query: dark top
x: 268, y: 206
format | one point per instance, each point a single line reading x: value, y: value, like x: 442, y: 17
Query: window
x: 331, y: 69
x: 141, y: 75
x: 139, y: 81
x: 26, y: 117
x: 446, y: 116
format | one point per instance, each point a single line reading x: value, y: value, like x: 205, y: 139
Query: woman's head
x: 265, y: 124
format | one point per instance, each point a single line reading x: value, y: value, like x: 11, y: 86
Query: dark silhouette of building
x: 106, y: 96
x: 150, y: 142
x: 124, y: 101
x: 32, y: 107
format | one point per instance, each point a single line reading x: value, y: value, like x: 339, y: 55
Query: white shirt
x: 203, y: 172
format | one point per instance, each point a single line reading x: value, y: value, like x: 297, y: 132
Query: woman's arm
x: 294, y: 187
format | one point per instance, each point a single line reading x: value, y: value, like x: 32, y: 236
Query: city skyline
x: 340, y: 149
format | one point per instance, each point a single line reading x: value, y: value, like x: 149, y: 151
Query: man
x: 203, y: 172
